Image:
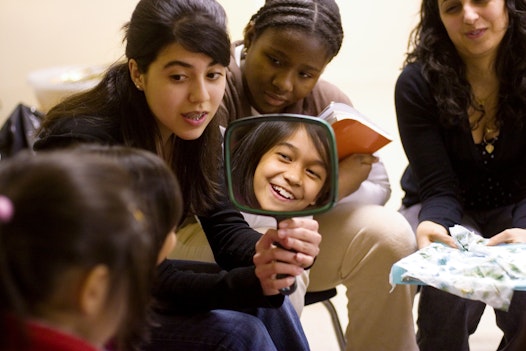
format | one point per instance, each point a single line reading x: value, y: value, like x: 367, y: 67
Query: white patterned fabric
x: 474, y: 271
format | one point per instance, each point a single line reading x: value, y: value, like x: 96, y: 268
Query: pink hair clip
x: 6, y: 209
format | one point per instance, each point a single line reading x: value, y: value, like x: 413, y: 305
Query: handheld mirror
x: 281, y: 165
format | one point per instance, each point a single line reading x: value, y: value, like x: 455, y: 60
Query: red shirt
x: 43, y: 338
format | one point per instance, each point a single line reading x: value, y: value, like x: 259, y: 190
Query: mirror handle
x: 288, y: 290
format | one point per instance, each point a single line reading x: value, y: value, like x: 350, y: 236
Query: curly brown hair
x: 430, y: 46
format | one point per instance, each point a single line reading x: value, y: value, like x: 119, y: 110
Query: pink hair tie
x: 6, y: 209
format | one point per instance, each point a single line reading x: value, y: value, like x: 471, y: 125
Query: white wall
x: 36, y: 34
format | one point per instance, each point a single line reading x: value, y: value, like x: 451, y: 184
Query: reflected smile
x: 282, y: 192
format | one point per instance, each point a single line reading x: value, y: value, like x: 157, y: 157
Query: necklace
x: 481, y: 102
x: 490, y: 134
x: 489, y: 143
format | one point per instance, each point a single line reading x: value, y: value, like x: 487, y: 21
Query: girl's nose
x: 283, y: 81
x: 293, y: 176
x: 198, y: 92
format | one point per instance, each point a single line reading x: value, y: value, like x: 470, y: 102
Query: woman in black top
x: 461, y: 109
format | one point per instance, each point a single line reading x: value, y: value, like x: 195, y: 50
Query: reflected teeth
x: 284, y: 193
x: 195, y: 115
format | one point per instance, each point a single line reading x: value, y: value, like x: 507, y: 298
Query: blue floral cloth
x: 474, y: 271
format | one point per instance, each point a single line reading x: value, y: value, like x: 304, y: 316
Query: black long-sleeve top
x: 448, y: 173
x: 187, y: 286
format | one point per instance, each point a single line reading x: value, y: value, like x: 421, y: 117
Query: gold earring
x: 138, y: 86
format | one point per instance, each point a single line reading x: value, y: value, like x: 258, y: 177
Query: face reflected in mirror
x: 281, y: 165
x: 291, y: 174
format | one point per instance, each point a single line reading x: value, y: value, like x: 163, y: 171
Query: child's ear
x: 94, y: 290
x: 168, y: 246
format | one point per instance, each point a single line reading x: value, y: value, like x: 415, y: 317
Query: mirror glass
x: 281, y: 165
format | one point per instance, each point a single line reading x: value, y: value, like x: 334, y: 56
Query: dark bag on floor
x: 18, y: 131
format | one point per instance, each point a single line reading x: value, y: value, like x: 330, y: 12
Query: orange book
x: 354, y: 132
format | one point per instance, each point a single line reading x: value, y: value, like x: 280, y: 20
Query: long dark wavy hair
x: 115, y: 103
x: 443, y: 68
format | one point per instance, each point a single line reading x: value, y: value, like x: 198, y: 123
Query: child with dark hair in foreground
x: 75, y: 265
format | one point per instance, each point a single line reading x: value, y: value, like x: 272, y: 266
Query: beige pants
x: 359, y: 245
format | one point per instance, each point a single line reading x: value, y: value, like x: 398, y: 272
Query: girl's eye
x: 178, y: 77
x: 284, y: 156
x: 314, y: 174
x: 214, y: 75
x: 306, y: 75
x: 274, y: 60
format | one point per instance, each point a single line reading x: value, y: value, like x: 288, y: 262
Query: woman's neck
x: 483, y: 79
x: 481, y: 70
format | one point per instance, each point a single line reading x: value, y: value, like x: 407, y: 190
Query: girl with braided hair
x: 276, y: 68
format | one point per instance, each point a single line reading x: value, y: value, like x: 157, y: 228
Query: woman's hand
x: 428, y: 232
x: 352, y: 171
x: 508, y: 236
x: 286, y: 251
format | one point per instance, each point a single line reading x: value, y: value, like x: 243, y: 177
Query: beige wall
x: 40, y: 33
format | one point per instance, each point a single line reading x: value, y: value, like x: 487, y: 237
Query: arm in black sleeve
x: 422, y: 138
x: 232, y: 240
x: 189, y: 286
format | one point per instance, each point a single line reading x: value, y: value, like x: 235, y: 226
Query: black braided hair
x: 317, y: 17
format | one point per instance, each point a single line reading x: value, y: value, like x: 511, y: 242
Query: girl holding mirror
x: 164, y: 99
x: 276, y: 68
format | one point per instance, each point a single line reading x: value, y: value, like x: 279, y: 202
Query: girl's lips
x: 194, y: 115
x: 274, y: 100
x: 195, y: 118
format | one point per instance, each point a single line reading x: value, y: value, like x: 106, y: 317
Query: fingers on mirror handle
x: 288, y: 290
